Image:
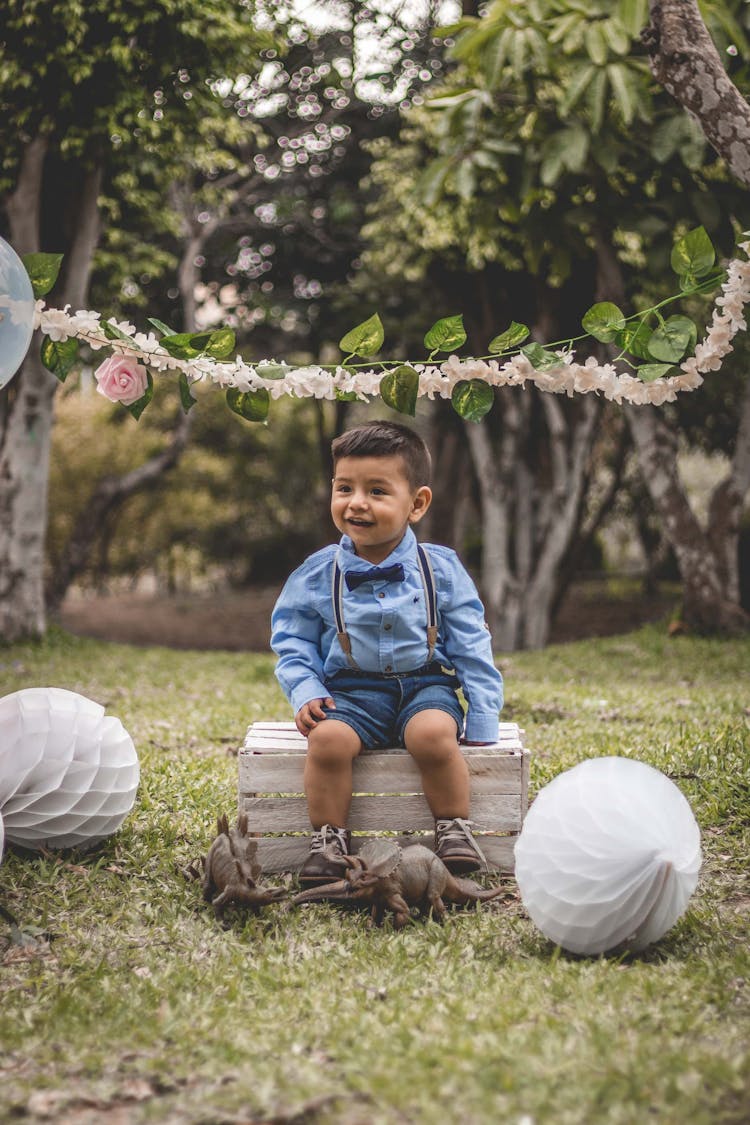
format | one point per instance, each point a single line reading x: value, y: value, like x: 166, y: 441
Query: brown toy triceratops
x: 393, y: 878
x: 230, y: 870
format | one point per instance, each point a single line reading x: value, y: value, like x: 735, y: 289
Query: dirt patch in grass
x: 239, y: 620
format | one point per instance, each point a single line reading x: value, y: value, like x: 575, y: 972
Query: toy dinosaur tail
x: 469, y: 891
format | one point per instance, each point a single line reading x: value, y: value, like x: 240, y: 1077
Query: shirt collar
x: 349, y: 560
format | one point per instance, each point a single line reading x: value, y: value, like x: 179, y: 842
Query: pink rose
x: 121, y: 379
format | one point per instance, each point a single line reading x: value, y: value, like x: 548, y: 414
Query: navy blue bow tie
x: 393, y: 573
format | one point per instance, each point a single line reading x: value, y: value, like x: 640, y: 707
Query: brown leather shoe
x: 320, y: 866
x: 456, y: 846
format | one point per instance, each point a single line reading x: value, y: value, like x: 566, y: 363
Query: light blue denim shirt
x: 387, y: 625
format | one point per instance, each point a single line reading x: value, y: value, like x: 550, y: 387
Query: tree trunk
x: 710, y: 594
x: 25, y: 429
x: 532, y: 484
x: 686, y: 63
x: 447, y: 519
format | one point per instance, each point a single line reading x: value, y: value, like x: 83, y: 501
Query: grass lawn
x: 135, y: 1005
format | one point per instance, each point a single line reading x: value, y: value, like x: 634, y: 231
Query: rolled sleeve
x: 296, y: 631
x: 468, y: 646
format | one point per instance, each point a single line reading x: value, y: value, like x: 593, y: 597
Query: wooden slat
x: 378, y: 773
x: 497, y: 813
x: 267, y: 738
x: 286, y: 725
x: 288, y: 853
x: 525, y: 770
x: 289, y: 746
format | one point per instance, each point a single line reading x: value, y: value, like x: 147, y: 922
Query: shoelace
x: 320, y: 838
x: 460, y: 829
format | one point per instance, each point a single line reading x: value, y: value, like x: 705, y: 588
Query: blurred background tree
x: 553, y: 171
x: 521, y: 164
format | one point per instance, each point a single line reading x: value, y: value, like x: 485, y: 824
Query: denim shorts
x: 378, y: 705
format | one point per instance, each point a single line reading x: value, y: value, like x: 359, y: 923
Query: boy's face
x: 373, y: 503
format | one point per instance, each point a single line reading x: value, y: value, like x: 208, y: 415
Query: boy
x: 374, y: 635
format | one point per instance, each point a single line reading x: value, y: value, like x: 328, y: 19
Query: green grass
x: 135, y: 1002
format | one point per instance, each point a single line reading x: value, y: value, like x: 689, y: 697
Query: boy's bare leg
x: 332, y: 746
x: 430, y: 738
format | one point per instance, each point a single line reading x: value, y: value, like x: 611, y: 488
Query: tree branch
x: 684, y: 60
x: 87, y: 227
x: 23, y: 206
x: 110, y: 494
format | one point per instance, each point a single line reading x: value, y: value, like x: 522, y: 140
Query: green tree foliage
x: 280, y: 269
x: 130, y: 85
x: 547, y: 173
x: 550, y: 135
x: 244, y: 502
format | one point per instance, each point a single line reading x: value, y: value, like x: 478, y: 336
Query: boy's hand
x: 311, y: 714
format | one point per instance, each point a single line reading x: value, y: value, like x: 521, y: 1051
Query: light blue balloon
x: 16, y: 312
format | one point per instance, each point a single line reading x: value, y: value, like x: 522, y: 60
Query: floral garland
x: 124, y: 377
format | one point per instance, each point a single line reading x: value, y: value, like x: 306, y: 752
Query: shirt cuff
x: 307, y: 690
x: 482, y: 726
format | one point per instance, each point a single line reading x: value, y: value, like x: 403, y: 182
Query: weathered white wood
x: 498, y: 812
x: 387, y: 797
x: 286, y: 725
x: 378, y: 773
x: 265, y: 738
x: 288, y: 853
x: 283, y: 745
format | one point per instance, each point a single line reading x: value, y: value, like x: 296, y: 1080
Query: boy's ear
x: 420, y: 503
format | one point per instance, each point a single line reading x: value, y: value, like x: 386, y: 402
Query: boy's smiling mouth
x: 359, y: 522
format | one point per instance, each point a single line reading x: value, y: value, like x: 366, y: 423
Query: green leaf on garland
x: 346, y: 396
x: 137, y: 408
x: 693, y: 254
x: 510, y: 338
x: 112, y: 332
x: 634, y: 338
x: 540, y: 358
x: 59, y: 356
x: 648, y: 372
x: 671, y: 340
x: 711, y: 281
x: 472, y: 399
x: 43, y: 270
x: 185, y: 345
x: 603, y: 321
x: 272, y: 370
x: 446, y: 334
x: 161, y: 326
x: 221, y: 343
x: 250, y: 405
x: 399, y: 389
x: 366, y: 339
x: 187, y: 398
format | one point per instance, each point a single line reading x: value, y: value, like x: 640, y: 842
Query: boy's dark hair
x: 387, y: 439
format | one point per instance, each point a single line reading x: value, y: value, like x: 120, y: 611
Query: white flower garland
x: 318, y: 382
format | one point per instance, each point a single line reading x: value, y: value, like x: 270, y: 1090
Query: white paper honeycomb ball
x: 68, y: 773
x: 609, y: 854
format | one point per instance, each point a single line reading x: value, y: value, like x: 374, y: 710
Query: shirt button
x: 389, y: 667
x: 387, y: 628
x: 381, y: 594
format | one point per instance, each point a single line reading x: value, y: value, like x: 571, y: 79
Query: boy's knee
x: 331, y: 744
x: 431, y: 736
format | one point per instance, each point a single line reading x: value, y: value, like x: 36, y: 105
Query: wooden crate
x: 387, y: 795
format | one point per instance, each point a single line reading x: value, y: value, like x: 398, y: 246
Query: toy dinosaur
x: 231, y: 870
x: 389, y: 877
